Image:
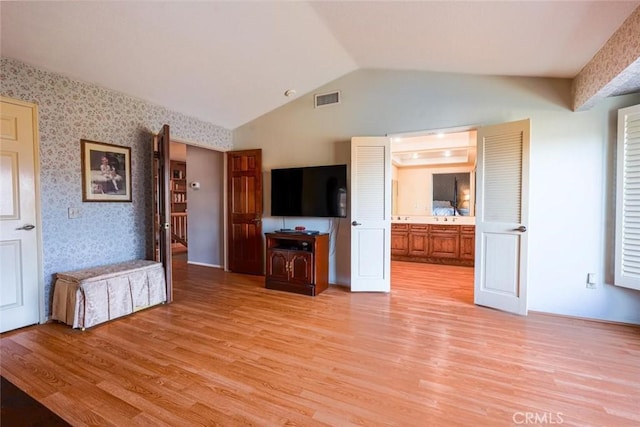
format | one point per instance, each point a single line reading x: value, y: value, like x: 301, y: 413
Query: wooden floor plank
x: 230, y: 352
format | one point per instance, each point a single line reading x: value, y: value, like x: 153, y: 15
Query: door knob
x: 355, y: 223
x: 26, y: 227
x: 521, y: 229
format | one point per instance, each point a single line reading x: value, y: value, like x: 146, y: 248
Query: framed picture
x: 106, y: 172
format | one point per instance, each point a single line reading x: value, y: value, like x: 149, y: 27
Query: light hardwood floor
x: 229, y: 352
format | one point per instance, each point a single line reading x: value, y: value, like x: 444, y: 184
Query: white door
x: 370, y: 214
x: 502, y: 183
x: 20, y: 267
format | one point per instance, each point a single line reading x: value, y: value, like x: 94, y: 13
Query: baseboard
x: 588, y: 319
x: 204, y: 264
x: 340, y: 285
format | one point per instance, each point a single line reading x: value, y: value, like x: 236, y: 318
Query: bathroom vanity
x: 440, y: 240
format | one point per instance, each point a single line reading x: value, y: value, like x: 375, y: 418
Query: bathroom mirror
x: 433, y: 173
x: 451, y: 194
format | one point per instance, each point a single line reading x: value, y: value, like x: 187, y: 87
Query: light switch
x: 591, y: 281
x: 74, y: 213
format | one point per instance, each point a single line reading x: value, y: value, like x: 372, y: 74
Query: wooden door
x: 371, y: 214
x: 164, y: 207
x: 244, y: 210
x: 20, y: 242
x: 502, y: 216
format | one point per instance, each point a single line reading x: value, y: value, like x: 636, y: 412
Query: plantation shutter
x: 627, y: 256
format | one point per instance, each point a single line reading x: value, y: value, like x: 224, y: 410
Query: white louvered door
x: 627, y: 263
x: 370, y: 214
x: 502, y: 216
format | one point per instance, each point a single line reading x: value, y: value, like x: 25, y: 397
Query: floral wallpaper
x: 69, y: 111
x: 610, y: 64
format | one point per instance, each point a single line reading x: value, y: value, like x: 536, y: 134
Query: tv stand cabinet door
x: 277, y: 262
x: 301, y: 268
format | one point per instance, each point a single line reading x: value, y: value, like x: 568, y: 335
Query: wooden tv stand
x: 297, y: 262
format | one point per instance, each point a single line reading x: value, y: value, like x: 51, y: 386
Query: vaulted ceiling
x: 230, y: 62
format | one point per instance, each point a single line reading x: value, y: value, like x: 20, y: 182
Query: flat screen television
x: 316, y: 191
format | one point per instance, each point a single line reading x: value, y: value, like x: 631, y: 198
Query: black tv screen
x: 317, y: 191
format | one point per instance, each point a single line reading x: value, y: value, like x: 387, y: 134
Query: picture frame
x: 106, y: 172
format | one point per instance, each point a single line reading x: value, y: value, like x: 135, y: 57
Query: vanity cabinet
x: 444, y: 241
x: 467, y: 242
x: 433, y: 243
x: 419, y: 240
x: 399, y: 239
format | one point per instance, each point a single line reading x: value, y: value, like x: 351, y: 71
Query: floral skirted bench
x: 88, y: 297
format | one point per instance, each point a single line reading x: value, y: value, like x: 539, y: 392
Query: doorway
x: 501, y: 241
x: 196, y: 193
x: 433, y: 207
x: 445, y: 282
x: 178, y: 197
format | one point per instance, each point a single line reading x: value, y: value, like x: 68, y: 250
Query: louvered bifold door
x: 627, y: 258
x: 502, y: 216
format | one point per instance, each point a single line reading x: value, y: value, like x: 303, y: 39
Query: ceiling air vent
x: 326, y: 99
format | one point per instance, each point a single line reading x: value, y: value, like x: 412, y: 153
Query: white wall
x: 571, y: 214
x: 205, y: 211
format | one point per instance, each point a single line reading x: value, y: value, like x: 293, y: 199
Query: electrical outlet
x: 591, y: 280
x: 74, y: 213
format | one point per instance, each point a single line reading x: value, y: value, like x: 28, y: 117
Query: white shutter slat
x: 370, y: 176
x: 502, y: 159
x: 627, y: 256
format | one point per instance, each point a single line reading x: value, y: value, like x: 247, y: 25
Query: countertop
x: 415, y: 219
